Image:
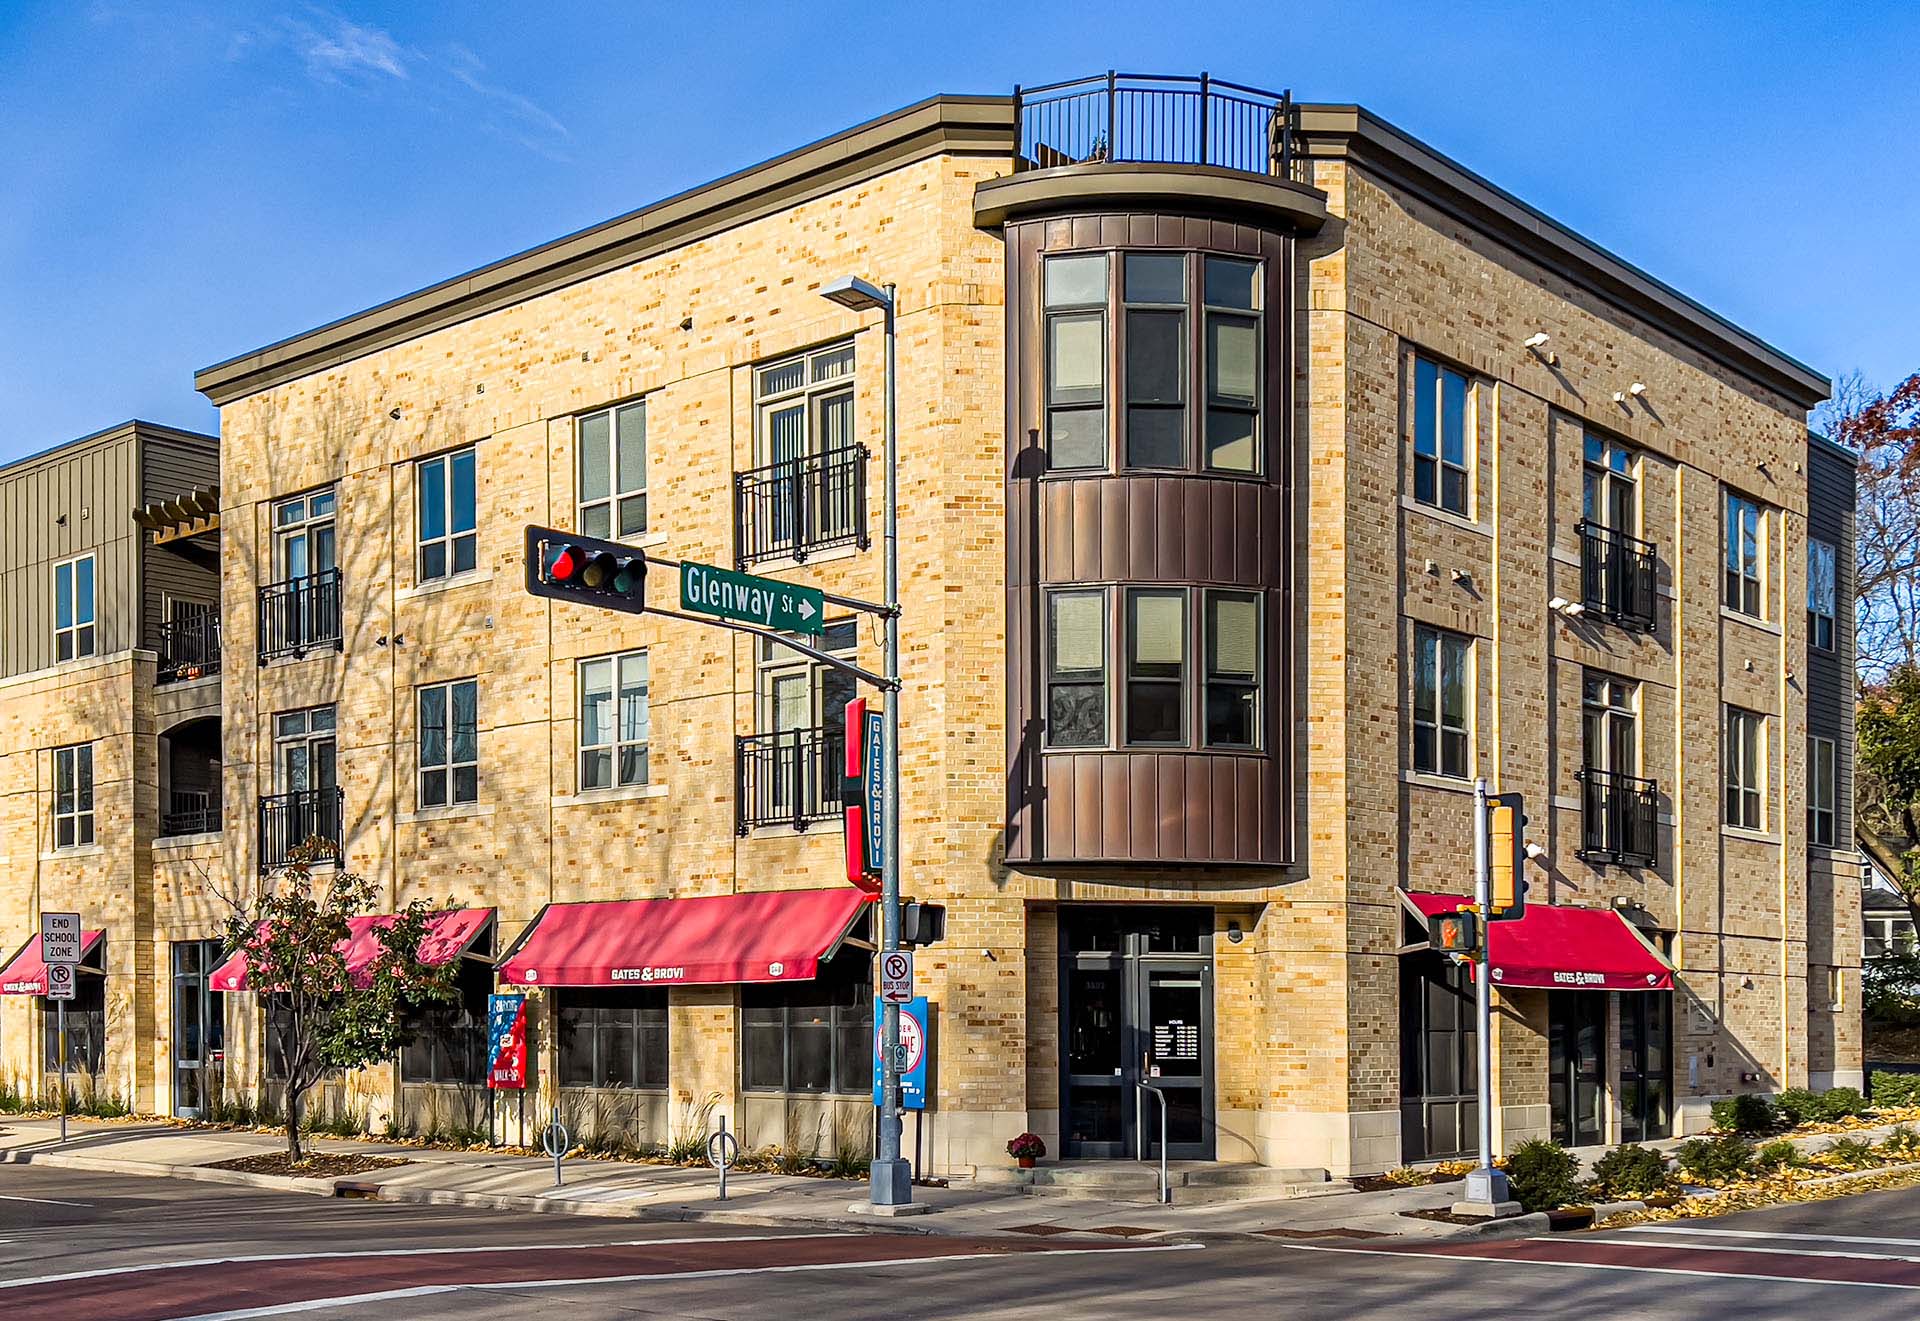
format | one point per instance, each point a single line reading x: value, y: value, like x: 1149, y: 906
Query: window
x: 446, y: 1041
x: 1233, y: 638
x: 303, y: 535
x: 1609, y: 495
x: 614, y: 751
x: 812, y: 1036
x: 612, y: 449
x: 1156, y: 679
x: 1232, y: 291
x: 1822, y: 568
x: 1076, y: 349
x: 1155, y: 293
x: 73, y: 628
x: 1610, y: 721
x: 613, y: 1038
x: 1441, y: 683
x: 449, y: 743
x: 86, y: 1025
x: 448, y: 542
x: 1822, y: 792
x: 798, y: 693
x: 303, y: 743
x: 1745, y: 741
x: 1440, y: 430
x: 1744, y: 548
x: 1077, y: 668
x: 73, y: 796
x: 791, y: 766
x: 805, y: 404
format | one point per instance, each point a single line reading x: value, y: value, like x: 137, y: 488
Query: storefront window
x: 613, y: 1037
x: 812, y: 1036
x: 86, y: 1026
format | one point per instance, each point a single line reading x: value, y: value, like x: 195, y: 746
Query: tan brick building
x: 1262, y: 484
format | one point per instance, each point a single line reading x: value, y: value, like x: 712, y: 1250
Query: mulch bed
x: 317, y: 1165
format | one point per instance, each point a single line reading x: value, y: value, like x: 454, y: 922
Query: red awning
x: 773, y: 936
x: 1561, y: 948
x: 449, y: 935
x: 26, y: 972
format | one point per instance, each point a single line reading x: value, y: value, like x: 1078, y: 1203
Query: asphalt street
x: 83, y: 1245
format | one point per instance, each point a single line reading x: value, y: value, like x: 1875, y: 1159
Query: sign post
x: 1486, y: 1194
x: 60, y: 952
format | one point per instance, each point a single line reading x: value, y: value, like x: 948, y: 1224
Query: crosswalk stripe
x: 1781, y: 1235
x: 1670, y: 1245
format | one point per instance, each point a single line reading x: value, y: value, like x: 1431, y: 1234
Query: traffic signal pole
x: 1486, y: 1191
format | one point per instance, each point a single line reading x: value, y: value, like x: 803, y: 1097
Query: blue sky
x: 189, y: 180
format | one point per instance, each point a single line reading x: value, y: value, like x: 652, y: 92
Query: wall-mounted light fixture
x: 394, y: 413
x: 1234, y: 934
x: 1537, y: 345
x: 1637, y: 389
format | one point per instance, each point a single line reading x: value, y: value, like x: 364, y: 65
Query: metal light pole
x: 890, y: 1181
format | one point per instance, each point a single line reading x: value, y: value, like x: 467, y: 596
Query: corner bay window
x: 449, y: 743
x: 1441, y: 424
x: 1160, y: 704
x: 812, y: 1036
x: 1442, y: 684
x: 613, y: 743
x: 1745, y: 751
x: 449, y: 543
x: 612, y: 1037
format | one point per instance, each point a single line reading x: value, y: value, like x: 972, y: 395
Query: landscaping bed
x: 317, y: 1165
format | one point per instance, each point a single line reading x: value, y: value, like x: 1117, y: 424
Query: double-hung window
x: 1442, y: 420
x: 1608, y: 712
x: 1156, y: 677
x: 1232, y: 292
x: 304, y: 539
x: 449, y: 743
x: 1442, y: 684
x: 1076, y: 361
x: 1155, y: 295
x: 1822, y: 580
x: 1745, y: 750
x: 1823, y: 783
x: 73, y: 628
x: 1609, y: 494
x: 1077, y: 668
x: 1233, y: 658
x: 614, y: 722
x: 612, y: 453
x: 449, y: 542
x: 1745, y: 528
x: 805, y: 425
x: 73, y: 796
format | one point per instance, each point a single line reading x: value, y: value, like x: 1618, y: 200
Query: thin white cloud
x: 466, y: 68
x: 336, y: 49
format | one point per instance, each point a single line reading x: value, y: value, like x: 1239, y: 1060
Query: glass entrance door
x: 199, y: 1028
x: 1136, y: 1007
x: 1576, y: 1066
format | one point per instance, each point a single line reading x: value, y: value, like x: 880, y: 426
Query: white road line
x: 1568, y: 1265
x: 43, y: 1201
x: 1754, y: 1233
x: 430, y: 1290
x: 1672, y: 1245
x: 396, y: 1252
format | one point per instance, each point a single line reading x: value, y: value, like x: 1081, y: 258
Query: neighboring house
x: 1887, y: 922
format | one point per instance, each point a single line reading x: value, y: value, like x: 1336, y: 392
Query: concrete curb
x: 198, y: 1173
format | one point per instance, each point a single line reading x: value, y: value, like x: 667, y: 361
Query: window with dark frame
x: 611, y: 456
x: 86, y: 1026
x: 446, y: 1041
x: 1155, y: 704
x: 449, y: 541
x: 612, y: 1037
x: 73, y: 608
x: 1823, y: 792
x: 1234, y: 664
x: 449, y: 743
x: 1745, y: 752
x: 614, y: 738
x: 814, y: 1036
x: 1609, y: 712
x: 1077, y: 697
x: 1075, y: 293
x: 1745, y: 528
x: 1231, y: 288
x: 1822, y: 580
x: 73, y: 796
x: 1442, y: 686
x: 1442, y: 417
x: 1154, y: 292
x: 1609, y: 493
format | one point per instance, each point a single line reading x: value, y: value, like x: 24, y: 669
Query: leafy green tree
x: 1887, y: 731
x: 294, y: 932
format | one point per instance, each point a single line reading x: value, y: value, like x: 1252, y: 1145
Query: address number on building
x: 896, y: 976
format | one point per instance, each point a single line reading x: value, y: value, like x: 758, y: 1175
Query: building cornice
x: 1122, y: 184
x: 135, y: 429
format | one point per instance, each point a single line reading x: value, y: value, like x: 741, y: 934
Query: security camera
x: 1537, y: 338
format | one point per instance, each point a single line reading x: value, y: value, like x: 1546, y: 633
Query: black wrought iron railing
x: 307, y: 818
x: 788, y: 778
x: 797, y: 507
x: 190, y: 812
x: 1619, y: 819
x: 300, y: 615
x: 1618, y: 574
x: 1156, y: 118
x: 190, y: 646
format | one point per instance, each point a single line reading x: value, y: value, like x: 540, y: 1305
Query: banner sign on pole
x: 913, y: 1053
x: 876, y: 774
x: 507, y: 1042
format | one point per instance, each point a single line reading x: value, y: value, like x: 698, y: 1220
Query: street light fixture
x: 890, y: 1181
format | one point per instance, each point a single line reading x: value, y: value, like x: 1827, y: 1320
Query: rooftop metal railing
x: 1157, y: 118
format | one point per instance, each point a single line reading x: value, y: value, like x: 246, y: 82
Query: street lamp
x: 890, y: 1182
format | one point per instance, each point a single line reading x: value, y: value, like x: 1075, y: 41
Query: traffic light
x: 1454, y: 933
x: 1506, y: 857
x: 567, y: 566
x: 922, y: 924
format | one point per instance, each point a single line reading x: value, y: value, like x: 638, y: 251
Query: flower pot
x: 1026, y: 1162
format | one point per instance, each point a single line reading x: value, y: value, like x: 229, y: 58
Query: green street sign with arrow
x: 747, y: 599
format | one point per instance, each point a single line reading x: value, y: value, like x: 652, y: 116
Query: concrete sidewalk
x: 503, y: 1181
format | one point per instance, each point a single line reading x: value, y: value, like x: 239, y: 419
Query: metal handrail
x: 789, y: 777
x: 299, y: 615
x: 1617, y: 576
x: 798, y: 506
x: 1171, y: 119
x: 1139, y: 1134
x: 1619, y: 818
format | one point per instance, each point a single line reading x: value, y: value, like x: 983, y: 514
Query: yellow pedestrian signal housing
x: 1506, y: 857
x: 1454, y: 933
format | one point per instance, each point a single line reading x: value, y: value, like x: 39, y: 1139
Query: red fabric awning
x: 773, y: 936
x: 449, y: 935
x: 26, y: 972
x: 1561, y: 948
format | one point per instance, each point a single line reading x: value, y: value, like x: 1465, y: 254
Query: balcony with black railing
x: 801, y: 506
x: 300, y: 615
x: 1155, y: 119
x: 788, y: 778
x: 1618, y: 576
x: 305, y: 819
x: 190, y: 812
x: 189, y: 646
x: 1619, y: 819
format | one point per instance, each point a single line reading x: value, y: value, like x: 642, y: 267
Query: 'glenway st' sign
x: 746, y: 599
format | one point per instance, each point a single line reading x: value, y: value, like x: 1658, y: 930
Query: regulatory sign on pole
x: 896, y: 976
x: 60, y: 937
x: 747, y: 599
x: 59, y: 981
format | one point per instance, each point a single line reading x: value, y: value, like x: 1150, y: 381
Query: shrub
x: 1027, y: 1146
x: 1743, y: 1114
x: 1779, y: 1155
x: 1716, y: 1160
x: 1630, y: 1170
x: 1842, y: 1103
x: 1797, y: 1105
x: 1848, y: 1154
x: 1888, y: 1089
x: 1541, y: 1174
x: 1890, y: 988
x: 1902, y: 1143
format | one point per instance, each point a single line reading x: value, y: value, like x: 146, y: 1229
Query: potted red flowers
x: 1026, y: 1149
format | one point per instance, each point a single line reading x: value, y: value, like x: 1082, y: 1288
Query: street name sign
x: 896, y: 976
x: 747, y: 599
x: 60, y: 937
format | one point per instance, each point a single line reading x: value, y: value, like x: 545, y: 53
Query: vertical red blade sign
x: 853, y: 812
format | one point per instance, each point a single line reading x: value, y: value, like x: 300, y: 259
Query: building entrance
x: 1136, y: 1006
